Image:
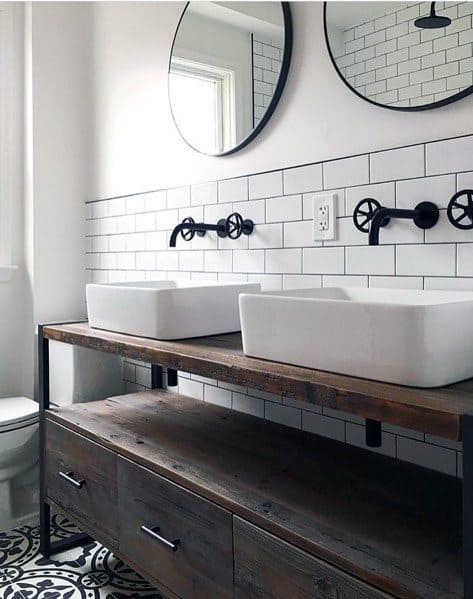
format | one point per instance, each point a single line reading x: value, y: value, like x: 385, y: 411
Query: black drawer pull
x: 68, y: 476
x: 172, y: 545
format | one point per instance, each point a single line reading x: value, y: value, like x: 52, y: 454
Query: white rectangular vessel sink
x: 403, y: 336
x: 166, y: 309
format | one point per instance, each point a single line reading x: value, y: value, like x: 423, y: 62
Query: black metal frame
x: 438, y: 104
x: 46, y: 546
x: 286, y: 61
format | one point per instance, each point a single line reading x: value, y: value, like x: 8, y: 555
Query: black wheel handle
x: 236, y: 225
x: 364, y: 212
x: 188, y: 234
x: 460, y: 214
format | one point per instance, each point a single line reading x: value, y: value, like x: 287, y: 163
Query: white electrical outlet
x: 325, y: 216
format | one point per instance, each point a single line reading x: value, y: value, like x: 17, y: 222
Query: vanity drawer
x: 92, y: 502
x: 268, y: 568
x: 193, y: 556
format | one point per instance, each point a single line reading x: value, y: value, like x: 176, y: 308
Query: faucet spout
x: 425, y: 215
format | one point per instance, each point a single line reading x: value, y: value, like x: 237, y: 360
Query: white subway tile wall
x: 390, y: 60
x: 267, y: 60
x: 128, y: 239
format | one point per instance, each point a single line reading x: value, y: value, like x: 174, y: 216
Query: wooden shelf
x: 435, y: 411
x: 392, y: 524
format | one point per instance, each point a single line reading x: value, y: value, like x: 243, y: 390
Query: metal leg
x: 45, y: 546
x: 467, y: 434
x: 373, y: 433
x: 44, y: 509
x: 172, y: 377
x: 157, y: 377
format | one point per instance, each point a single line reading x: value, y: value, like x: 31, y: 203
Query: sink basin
x: 166, y: 309
x: 403, y: 336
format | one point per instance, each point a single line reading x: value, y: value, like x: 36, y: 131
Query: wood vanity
x: 206, y: 502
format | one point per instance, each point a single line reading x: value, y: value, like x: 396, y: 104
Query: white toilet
x: 19, y: 450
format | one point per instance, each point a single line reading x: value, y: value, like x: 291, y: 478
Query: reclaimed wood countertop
x: 436, y: 411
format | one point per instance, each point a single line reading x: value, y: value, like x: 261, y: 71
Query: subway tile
x: 396, y: 282
x: 426, y: 455
x: 370, y: 260
x: 445, y: 232
x: 283, y: 414
x: 301, y: 281
x: 426, y: 260
x: 383, y: 192
x: 284, y: 208
x: 344, y: 281
x: 205, y: 193
x: 346, y: 172
x: 248, y: 405
x: 267, y: 282
x: 303, y: 179
x: 323, y: 260
x: 168, y: 260
x: 117, y: 207
x: 145, y: 261
x: 136, y: 242
x: 265, y: 185
x: 157, y: 240
x: 438, y: 190
x: 125, y: 224
x: 126, y: 261
x: 178, y: 197
x: 402, y: 163
x: 218, y: 261
x: 449, y: 283
x: 299, y: 234
x: 253, y: 209
x: 233, y: 190
x: 145, y: 221
x: 347, y: 234
x: 323, y: 425
x: 267, y: 236
x: 143, y: 376
x: 191, y: 260
x: 248, y: 261
x: 283, y: 261
x: 167, y: 220
x: 465, y: 259
x: 452, y: 155
x: 155, y: 201
x: 464, y: 181
x: 218, y: 396
x: 230, y: 277
x: 135, y: 204
x: 191, y: 388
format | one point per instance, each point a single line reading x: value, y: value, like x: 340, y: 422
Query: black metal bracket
x: 460, y: 213
x: 233, y: 227
x: 369, y: 216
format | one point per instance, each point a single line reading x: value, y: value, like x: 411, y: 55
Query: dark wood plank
x: 96, y: 502
x: 392, y: 524
x: 202, y: 566
x: 434, y: 411
x: 268, y: 568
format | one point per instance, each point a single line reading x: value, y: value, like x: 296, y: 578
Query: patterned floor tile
x: 90, y: 572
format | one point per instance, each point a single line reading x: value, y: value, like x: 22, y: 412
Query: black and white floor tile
x: 90, y: 572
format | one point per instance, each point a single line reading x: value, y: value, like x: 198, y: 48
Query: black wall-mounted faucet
x: 234, y: 226
x: 369, y: 216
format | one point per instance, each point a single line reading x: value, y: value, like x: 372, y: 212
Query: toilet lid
x: 17, y: 410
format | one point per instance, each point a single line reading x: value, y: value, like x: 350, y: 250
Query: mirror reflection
x: 225, y: 65
x: 403, y: 54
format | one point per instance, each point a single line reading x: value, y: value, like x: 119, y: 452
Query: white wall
x: 318, y: 118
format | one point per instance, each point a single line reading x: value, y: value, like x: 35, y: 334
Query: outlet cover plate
x: 324, y: 216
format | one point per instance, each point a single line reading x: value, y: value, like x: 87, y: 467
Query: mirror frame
x: 438, y: 104
x: 286, y: 61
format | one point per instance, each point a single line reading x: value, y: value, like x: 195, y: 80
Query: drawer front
x: 92, y: 502
x: 187, y: 541
x: 268, y: 568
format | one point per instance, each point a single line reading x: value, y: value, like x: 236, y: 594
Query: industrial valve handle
x: 460, y: 209
x: 364, y: 212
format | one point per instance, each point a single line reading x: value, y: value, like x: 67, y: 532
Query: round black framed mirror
x: 402, y: 55
x: 227, y: 69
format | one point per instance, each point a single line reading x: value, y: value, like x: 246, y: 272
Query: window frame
x: 226, y: 100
